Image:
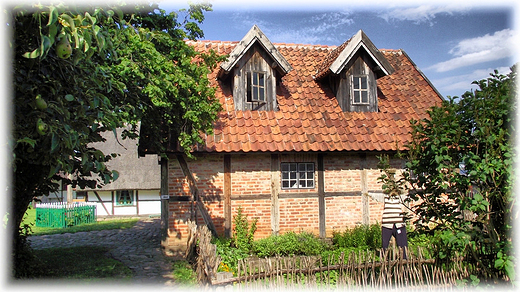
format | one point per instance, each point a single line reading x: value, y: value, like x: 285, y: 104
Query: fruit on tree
x: 63, y: 48
x: 41, y: 104
x: 41, y: 127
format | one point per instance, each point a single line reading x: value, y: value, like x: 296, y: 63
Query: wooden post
x: 164, y: 201
x: 321, y: 197
x: 275, y: 189
x: 137, y: 202
x: 227, y: 196
x: 69, y: 191
x: 113, y: 203
x: 364, y: 191
x: 195, y: 194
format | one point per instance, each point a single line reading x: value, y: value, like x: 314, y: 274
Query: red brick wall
x: 298, y: 208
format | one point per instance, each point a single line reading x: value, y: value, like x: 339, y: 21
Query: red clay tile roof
x: 309, y: 117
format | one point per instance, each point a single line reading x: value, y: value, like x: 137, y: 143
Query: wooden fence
x: 363, y: 270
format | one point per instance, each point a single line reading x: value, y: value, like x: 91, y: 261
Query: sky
x: 452, y: 42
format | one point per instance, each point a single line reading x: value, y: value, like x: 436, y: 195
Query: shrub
x: 361, y: 236
x: 229, y: 255
x: 291, y: 243
x: 243, y: 232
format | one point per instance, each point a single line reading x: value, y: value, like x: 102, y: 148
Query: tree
x: 79, y: 72
x: 460, y: 175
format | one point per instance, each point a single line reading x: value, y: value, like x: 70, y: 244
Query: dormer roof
x: 342, y: 55
x: 255, y: 35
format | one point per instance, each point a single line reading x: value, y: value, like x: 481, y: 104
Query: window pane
x: 255, y: 94
x: 261, y: 94
x: 356, y: 97
x: 364, y: 84
x: 285, y: 184
x: 261, y: 79
x: 356, y: 82
x: 293, y: 166
x: 364, y: 97
x: 255, y: 78
x: 285, y: 167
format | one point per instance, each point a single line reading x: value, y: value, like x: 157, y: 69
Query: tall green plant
x: 243, y: 231
x: 460, y: 175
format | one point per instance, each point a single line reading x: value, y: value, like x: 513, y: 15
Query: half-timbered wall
x: 256, y: 59
x: 342, y: 197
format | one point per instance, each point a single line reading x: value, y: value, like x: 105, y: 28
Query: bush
x: 361, y: 236
x: 243, y: 232
x: 229, y: 254
x: 290, y: 243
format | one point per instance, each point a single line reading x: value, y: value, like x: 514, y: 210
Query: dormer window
x: 351, y: 72
x: 360, y: 89
x: 256, y: 86
x: 253, y: 68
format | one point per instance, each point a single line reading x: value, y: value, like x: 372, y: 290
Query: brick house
x: 296, y: 144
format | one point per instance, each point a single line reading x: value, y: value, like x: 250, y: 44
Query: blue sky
x: 452, y: 42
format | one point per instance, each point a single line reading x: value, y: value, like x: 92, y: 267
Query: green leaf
x: 69, y: 97
x: 115, y: 175
x: 510, y: 270
x: 53, y: 15
x: 32, y: 55
x: 27, y: 140
x: 67, y: 21
x: 54, y: 142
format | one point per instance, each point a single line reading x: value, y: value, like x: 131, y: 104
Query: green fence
x: 63, y: 215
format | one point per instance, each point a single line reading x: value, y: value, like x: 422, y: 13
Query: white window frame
x: 298, y: 175
x: 360, y: 91
x: 129, y: 201
x: 256, y: 92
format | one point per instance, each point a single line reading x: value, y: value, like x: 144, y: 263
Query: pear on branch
x: 63, y: 48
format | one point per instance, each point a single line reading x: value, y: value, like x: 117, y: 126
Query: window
x: 125, y: 197
x: 297, y: 175
x: 360, y: 89
x: 255, y: 86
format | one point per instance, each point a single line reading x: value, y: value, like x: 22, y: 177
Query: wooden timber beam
x: 195, y: 194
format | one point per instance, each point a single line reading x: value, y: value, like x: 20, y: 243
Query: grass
x: 90, y: 263
x: 184, y: 274
x: 30, y: 219
x: 86, y: 262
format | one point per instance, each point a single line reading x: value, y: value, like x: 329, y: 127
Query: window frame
x: 360, y: 90
x: 122, y: 202
x: 259, y: 89
x: 296, y: 175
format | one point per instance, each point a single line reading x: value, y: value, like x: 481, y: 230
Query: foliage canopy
x: 460, y: 175
x: 81, y: 71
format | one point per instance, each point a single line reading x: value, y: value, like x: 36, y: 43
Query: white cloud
x: 457, y: 85
x: 479, y: 50
x: 420, y: 14
x: 309, y: 30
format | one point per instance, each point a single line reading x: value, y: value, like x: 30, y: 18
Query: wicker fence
x: 62, y: 215
x: 364, y: 270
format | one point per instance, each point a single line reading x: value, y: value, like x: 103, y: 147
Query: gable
x: 256, y: 36
x: 339, y: 59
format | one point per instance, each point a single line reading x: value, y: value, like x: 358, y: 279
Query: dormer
x: 351, y: 71
x: 253, y: 67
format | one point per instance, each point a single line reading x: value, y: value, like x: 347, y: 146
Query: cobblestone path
x: 137, y: 247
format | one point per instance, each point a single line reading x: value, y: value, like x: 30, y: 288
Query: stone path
x: 137, y: 247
